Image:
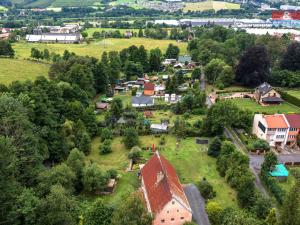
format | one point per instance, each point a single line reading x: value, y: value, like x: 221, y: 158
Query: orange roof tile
x: 160, y: 193
x: 276, y: 121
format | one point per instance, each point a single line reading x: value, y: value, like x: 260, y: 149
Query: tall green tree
x: 172, y: 52
x: 132, y: 212
x: 93, y: 178
x: 98, y: 214
x: 155, y: 59
x: 254, y: 67
x: 58, y: 208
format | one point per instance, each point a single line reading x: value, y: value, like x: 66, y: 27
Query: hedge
x: 289, y: 98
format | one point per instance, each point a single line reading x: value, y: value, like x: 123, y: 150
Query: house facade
x: 265, y: 94
x: 294, y: 128
x: 277, y: 129
x: 149, y: 89
x: 163, y: 193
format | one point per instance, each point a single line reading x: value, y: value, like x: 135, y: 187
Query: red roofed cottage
x: 149, y: 89
x: 163, y: 193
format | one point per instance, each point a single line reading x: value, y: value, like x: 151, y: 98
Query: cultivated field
x: 18, y: 69
x: 256, y: 108
x: 208, y: 5
x: 95, y: 49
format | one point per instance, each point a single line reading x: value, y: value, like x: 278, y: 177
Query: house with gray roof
x: 265, y: 94
x: 142, y: 101
x: 184, y: 58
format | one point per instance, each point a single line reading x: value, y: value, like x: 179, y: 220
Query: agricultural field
x: 295, y: 93
x: 256, y: 108
x: 95, y: 49
x: 209, y: 5
x: 137, y: 4
x: 187, y: 157
x: 18, y: 69
x: 90, y: 31
x: 2, y: 8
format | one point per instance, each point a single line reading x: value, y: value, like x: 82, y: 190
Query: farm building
x: 55, y: 38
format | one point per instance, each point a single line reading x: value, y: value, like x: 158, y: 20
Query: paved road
x: 255, y: 169
x: 197, y: 204
x: 202, y: 80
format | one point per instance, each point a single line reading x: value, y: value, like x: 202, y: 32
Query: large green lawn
x: 18, y: 69
x: 257, y: 108
x: 295, y: 93
x: 95, y: 49
x: 190, y: 161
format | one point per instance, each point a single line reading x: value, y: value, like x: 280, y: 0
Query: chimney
x: 160, y: 176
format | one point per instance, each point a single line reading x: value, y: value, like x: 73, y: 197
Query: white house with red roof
x: 277, y: 129
x: 163, y: 193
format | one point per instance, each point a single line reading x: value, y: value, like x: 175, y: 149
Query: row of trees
x: 248, y: 59
x: 234, y: 166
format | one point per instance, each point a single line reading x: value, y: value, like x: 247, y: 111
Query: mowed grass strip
x: 271, y: 109
x: 295, y: 93
x: 95, y: 49
x: 18, y: 69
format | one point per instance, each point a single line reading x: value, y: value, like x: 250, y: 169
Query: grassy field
x: 256, y: 108
x: 17, y: 69
x: 208, y: 5
x: 291, y: 179
x: 2, y: 8
x: 90, y: 31
x: 96, y: 49
x: 188, y: 157
x: 295, y: 93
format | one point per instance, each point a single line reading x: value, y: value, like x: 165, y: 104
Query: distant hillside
x: 50, y: 3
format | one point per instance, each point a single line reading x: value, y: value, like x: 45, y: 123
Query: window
x: 168, y: 211
x: 172, y: 219
x: 162, y: 221
x: 279, y: 136
x: 182, y: 217
x: 293, y: 129
x: 271, y: 129
x: 262, y: 127
x: 177, y: 210
x: 281, y: 129
x: 173, y: 202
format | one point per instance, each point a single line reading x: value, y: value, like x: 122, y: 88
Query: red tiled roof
x: 161, y: 193
x: 149, y: 86
x: 294, y: 120
x: 276, y: 121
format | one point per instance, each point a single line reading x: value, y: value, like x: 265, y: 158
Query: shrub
x: 214, y: 212
x: 131, y: 137
x: 105, y: 147
x: 261, y: 145
x: 162, y: 140
x: 206, y: 189
x: 214, y: 147
x: 112, y: 174
x: 135, y: 153
x: 106, y: 134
